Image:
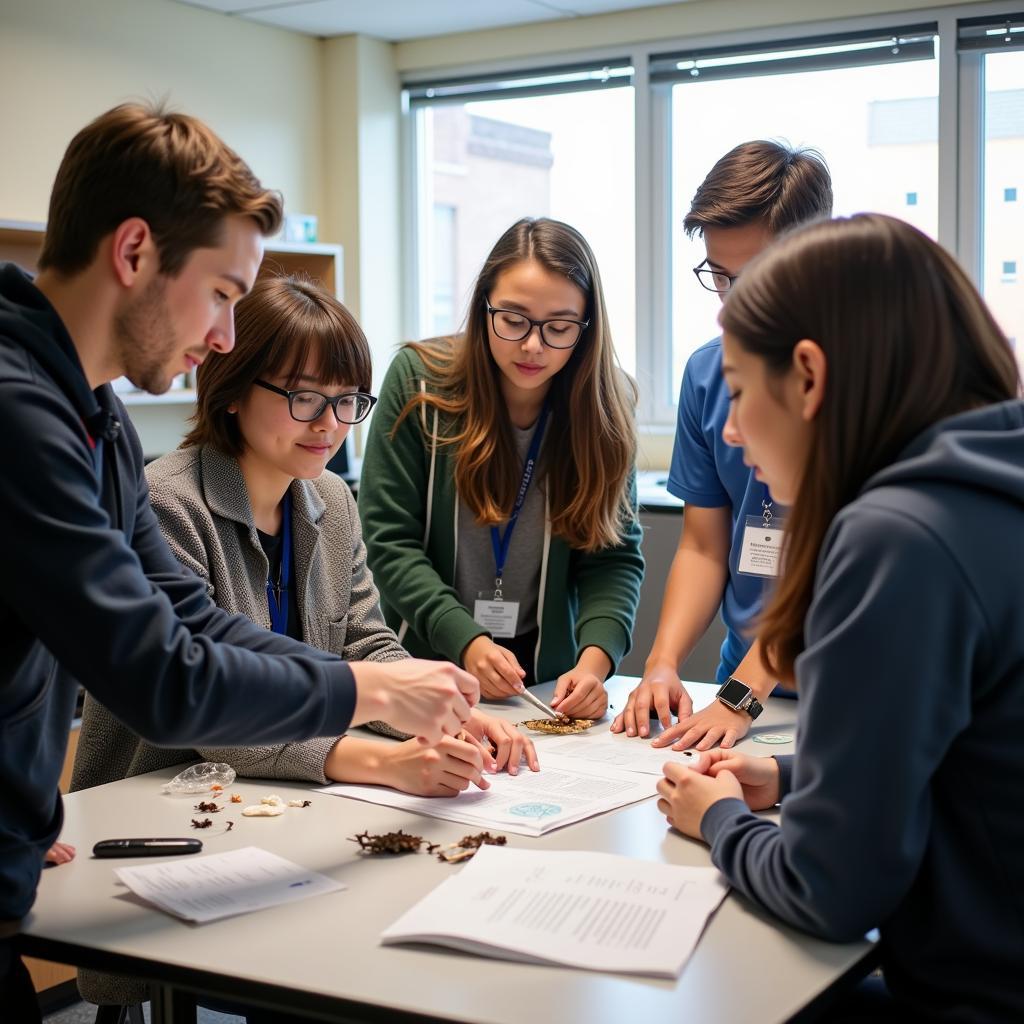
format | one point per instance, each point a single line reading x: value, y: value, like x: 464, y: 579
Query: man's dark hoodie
x: 903, y: 806
x: 91, y: 594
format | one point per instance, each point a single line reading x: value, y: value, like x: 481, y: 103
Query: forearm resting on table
x: 353, y: 759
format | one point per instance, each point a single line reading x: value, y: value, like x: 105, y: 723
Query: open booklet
x: 597, y: 911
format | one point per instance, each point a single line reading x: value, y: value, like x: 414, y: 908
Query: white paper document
x: 630, y: 754
x: 598, y: 911
x: 224, y: 884
x: 529, y: 804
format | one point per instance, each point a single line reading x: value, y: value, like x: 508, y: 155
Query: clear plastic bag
x: 201, y: 778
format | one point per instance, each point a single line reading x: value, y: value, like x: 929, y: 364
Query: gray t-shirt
x: 474, y: 563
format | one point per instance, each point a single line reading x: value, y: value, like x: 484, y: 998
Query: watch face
x: 733, y: 691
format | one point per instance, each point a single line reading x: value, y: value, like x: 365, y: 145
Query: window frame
x: 960, y: 164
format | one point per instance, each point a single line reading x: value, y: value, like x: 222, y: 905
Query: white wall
x: 62, y: 62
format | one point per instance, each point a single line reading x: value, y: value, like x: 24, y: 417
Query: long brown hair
x: 278, y: 326
x: 591, y: 435
x: 908, y: 342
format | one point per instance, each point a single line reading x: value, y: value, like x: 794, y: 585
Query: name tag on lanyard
x: 761, y: 548
x: 498, y: 616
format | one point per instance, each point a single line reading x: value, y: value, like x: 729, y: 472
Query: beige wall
x: 362, y: 109
x: 647, y: 24
x: 62, y: 62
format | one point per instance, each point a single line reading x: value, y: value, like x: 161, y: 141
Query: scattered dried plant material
x: 392, y: 842
x: 299, y: 803
x: 464, y: 849
x: 236, y: 798
x: 205, y: 823
x: 558, y: 726
x: 229, y: 825
x: 216, y: 787
x: 272, y: 801
x: 207, y: 807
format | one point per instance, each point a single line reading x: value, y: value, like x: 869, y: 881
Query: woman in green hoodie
x: 498, y: 493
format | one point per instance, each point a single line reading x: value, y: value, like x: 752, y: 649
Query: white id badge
x: 761, y: 551
x: 499, y: 617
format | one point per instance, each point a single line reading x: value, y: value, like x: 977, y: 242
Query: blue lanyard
x: 277, y: 597
x: 500, y: 544
x: 766, y: 507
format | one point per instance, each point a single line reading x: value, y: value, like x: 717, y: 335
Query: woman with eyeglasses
x: 872, y: 390
x: 245, y: 503
x: 498, y: 489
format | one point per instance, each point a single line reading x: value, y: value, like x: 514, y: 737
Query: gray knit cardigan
x: 202, y: 505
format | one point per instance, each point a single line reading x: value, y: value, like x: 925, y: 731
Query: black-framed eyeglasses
x: 509, y: 325
x: 307, y: 406
x: 714, y: 280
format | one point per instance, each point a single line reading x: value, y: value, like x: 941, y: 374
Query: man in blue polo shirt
x: 729, y: 543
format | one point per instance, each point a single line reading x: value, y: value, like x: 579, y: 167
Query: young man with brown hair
x: 753, y: 193
x: 155, y: 231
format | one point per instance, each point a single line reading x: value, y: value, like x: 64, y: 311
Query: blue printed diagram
x: 535, y: 810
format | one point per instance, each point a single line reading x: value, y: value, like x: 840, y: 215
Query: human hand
x: 580, y: 694
x: 429, y: 699
x: 60, y: 853
x: 660, y: 687
x: 496, y: 668
x: 444, y: 770
x: 509, y: 743
x: 758, y: 776
x: 715, y: 724
x: 685, y: 794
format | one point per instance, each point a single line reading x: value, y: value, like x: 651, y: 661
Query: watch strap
x: 752, y: 706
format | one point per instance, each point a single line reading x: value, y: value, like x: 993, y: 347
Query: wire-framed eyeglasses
x: 307, y: 406
x: 714, y: 280
x: 558, y: 332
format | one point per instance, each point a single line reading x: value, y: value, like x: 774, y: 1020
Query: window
x: 616, y: 144
x: 996, y: 50
x: 868, y: 104
x: 442, y: 299
x: 556, y: 144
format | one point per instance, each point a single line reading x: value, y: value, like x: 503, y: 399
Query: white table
x: 322, y: 957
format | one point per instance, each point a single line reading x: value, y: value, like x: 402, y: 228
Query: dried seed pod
x: 391, y: 842
x: 453, y: 853
x: 558, y: 726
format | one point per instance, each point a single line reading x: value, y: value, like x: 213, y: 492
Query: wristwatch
x: 737, y: 695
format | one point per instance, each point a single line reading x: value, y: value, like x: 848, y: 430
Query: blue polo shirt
x: 708, y: 473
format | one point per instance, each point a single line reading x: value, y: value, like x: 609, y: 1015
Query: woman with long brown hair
x: 874, y: 393
x: 498, y: 494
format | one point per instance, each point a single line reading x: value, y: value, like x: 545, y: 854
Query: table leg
x: 171, y: 1006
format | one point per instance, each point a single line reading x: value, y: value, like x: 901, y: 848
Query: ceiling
x: 396, y: 20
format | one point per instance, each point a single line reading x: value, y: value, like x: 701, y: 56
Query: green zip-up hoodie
x: 586, y: 600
